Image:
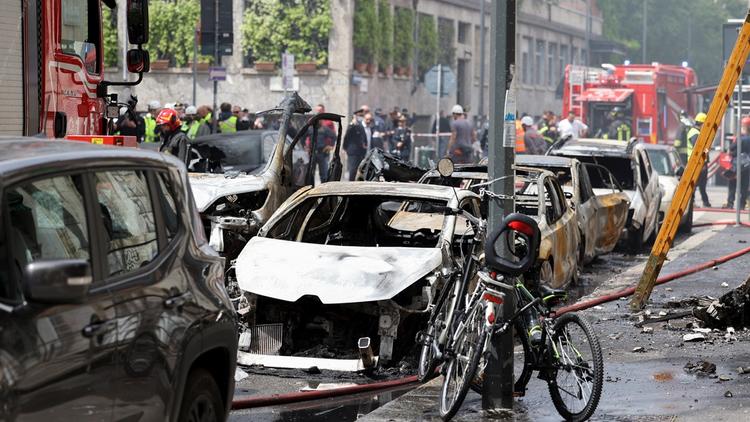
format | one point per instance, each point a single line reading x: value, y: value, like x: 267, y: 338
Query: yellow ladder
x: 695, y: 163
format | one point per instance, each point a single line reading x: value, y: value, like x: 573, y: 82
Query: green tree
x: 446, y: 38
x: 109, y: 27
x: 403, y: 38
x: 300, y: 27
x: 365, y: 27
x: 384, y: 34
x: 677, y: 31
x: 171, y: 30
x: 427, y: 43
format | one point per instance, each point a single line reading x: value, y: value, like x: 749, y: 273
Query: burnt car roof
x: 593, y: 147
x: 20, y: 154
x: 388, y: 189
x: 661, y: 147
x: 543, y: 160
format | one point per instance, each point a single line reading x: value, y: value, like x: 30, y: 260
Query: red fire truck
x: 651, y: 97
x: 52, y: 68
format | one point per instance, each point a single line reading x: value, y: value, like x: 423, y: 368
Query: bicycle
x: 574, y: 373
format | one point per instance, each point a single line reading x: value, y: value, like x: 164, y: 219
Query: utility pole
x: 643, y: 44
x: 588, y: 33
x: 482, y: 58
x: 498, y: 379
x: 415, y: 36
x: 195, y: 63
x: 217, y: 60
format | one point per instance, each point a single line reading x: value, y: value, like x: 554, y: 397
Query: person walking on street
x: 149, y: 121
x: 534, y: 142
x: 192, y: 122
x: 549, y: 128
x: 357, y: 142
x: 572, y: 126
x: 463, y: 136
x: 204, y: 117
x: 692, y: 138
x: 680, y: 142
x: 402, y: 140
x: 227, y: 120
x: 173, y: 140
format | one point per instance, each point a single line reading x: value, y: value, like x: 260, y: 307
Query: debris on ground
x: 693, y: 337
x: 728, y: 394
x: 639, y: 349
x: 725, y: 378
x: 730, y: 310
x: 725, y: 284
x: 743, y: 370
x: 647, y: 330
x: 701, y: 368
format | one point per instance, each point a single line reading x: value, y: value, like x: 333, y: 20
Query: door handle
x: 177, y: 300
x: 98, y: 328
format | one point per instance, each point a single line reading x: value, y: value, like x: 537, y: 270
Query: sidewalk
x: 650, y: 385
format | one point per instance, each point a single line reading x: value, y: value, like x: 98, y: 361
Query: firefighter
x: 618, y: 129
x: 549, y: 128
x: 150, y: 121
x: 227, y: 120
x: 192, y: 122
x: 173, y: 140
x: 680, y: 143
x: 692, y: 138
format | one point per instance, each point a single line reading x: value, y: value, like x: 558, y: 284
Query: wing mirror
x: 57, y: 281
x: 137, y: 13
x: 138, y: 61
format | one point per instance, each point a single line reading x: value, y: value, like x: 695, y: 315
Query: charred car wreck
x: 379, y: 165
x: 348, y: 268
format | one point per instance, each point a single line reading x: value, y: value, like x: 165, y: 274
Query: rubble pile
x: 730, y: 310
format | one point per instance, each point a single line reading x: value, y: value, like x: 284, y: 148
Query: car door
x: 587, y: 210
x: 560, y: 231
x: 609, y: 210
x: 56, y: 360
x: 153, y: 303
x: 651, y: 192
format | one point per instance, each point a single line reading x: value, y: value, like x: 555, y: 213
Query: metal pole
x: 482, y: 58
x: 738, y: 139
x: 437, y: 109
x: 643, y: 46
x: 217, y: 60
x: 195, y: 64
x: 588, y: 33
x: 498, y: 380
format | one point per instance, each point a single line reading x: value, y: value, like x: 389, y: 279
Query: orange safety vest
x: 520, y: 142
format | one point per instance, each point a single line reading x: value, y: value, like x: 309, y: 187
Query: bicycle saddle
x: 548, y: 293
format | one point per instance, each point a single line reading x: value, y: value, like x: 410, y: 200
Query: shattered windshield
x: 245, y: 151
x: 660, y: 162
x: 363, y: 220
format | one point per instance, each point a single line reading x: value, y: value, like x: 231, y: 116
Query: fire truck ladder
x: 577, y: 82
x: 695, y: 163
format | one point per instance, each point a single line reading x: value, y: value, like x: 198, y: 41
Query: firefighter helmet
x: 700, y: 117
x: 168, y: 118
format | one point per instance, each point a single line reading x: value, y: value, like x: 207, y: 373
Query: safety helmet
x: 457, y: 109
x: 191, y: 110
x: 746, y: 121
x: 700, y: 117
x: 154, y: 105
x: 527, y: 121
x: 168, y: 117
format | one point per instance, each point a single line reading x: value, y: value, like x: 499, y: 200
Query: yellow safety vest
x: 192, y: 128
x: 693, y: 132
x: 150, y: 123
x: 229, y: 125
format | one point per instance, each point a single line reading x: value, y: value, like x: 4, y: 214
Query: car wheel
x: 635, y: 241
x: 202, y: 400
x: 546, y: 273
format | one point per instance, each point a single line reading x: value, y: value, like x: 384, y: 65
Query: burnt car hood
x: 208, y: 187
x: 287, y: 270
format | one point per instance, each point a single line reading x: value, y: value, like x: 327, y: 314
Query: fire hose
x: 295, y: 397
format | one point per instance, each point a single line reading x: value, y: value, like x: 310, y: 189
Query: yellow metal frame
x: 697, y: 159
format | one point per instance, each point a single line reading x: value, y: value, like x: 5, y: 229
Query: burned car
x: 628, y: 162
x: 667, y: 163
x: 601, y: 216
x: 558, y: 223
x: 345, y: 264
x: 379, y: 165
x: 239, y: 179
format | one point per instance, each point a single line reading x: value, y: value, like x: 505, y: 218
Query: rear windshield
x: 619, y: 166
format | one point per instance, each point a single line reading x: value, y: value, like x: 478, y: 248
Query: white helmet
x: 154, y: 105
x: 191, y: 110
x: 457, y: 109
x: 169, y: 105
x: 527, y: 121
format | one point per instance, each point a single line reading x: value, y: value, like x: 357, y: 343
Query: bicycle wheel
x: 468, y: 344
x: 428, y: 363
x: 523, y: 362
x: 577, y: 383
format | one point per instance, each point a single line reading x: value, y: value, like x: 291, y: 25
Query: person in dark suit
x: 357, y: 142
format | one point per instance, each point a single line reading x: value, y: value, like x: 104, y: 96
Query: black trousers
x: 702, y: 181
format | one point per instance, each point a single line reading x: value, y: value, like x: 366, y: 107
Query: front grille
x: 267, y: 339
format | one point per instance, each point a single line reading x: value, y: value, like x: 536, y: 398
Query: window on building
x: 574, y: 55
x: 552, y: 72
x: 539, y: 62
x: 526, y: 52
x: 564, y: 59
x: 463, y: 32
x: 584, y: 57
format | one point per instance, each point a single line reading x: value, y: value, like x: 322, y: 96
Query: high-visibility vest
x: 543, y: 131
x: 692, y: 134
x: 229, y: 125
x: 150, y: 123
x: 192, y: 129
x: 623, y: 132
x: 520, y: 141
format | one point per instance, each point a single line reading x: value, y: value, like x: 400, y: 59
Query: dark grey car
x: 112, y: 305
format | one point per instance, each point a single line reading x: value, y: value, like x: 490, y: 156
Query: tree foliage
x: 446, y: 37
x: 427, y: 43
x: 300, y: 27
x: 384, y: 34
x: 172, y: 30
x: 109, y: 28
x: 365, y: 27
x: 677, y: 31
x: 403, y: 38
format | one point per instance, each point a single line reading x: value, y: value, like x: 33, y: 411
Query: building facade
x: 549, y: 35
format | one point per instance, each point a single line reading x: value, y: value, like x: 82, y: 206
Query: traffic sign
x: 447, y: 85
x: 216, y: 73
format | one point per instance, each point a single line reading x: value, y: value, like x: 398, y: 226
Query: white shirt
x: 368, y: 133
x: 576, y: 128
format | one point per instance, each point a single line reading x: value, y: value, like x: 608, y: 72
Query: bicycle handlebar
x: 525, y: 227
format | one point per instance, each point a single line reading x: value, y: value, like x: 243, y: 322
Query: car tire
x: 201, y: 401
x: 635, y: 241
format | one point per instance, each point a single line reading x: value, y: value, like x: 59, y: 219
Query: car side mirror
x: 138, y: 61
x: 57, y: 281
x: 679, y: 171
x: 137, y: 14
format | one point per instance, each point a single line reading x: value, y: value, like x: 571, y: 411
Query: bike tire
x: 428, y: 363
x: 593, y: 366
x: 519, y: 387
x: 449, y: 406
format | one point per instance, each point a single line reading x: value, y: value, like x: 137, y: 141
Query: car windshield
x: 526, y: 187
x: 245, y: 151
x: 363, y: 220
x: 660, y: 162
x: 619, y: 166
